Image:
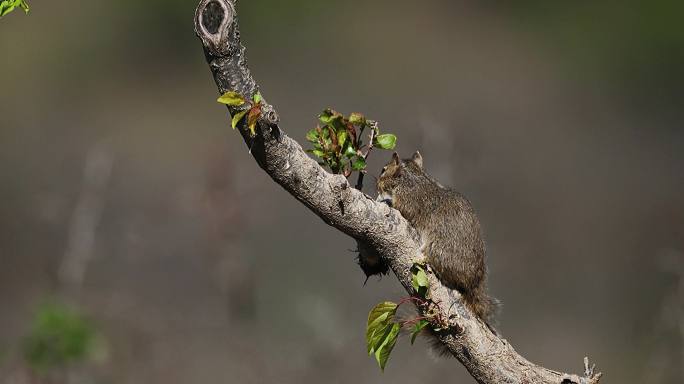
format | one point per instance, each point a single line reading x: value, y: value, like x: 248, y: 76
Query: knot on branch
x: 269, y: 114
x: 213, y: 22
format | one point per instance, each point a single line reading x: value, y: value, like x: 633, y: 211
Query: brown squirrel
x: 448, y: 226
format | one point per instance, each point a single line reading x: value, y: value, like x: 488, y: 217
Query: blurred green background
x: 126, y: 198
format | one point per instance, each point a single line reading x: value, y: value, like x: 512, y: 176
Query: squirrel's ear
x: 418, y: 159
x: 395, y: 159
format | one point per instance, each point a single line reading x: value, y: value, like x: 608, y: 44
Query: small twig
x: 418, y: 300
x: 415, y: 320
x: 374, y: 130
x: 589, y: 372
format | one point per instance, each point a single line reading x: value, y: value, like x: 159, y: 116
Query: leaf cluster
x: 338, y: 141
x: 7, y: 6
x: 382, y: 329
x: 250, y: 108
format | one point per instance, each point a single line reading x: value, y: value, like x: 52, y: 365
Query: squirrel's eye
x: 383, y: 170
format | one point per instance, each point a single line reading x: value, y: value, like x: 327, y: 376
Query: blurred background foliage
x: 59, y: 336
x: 633, y: 45
x: 125, y: 194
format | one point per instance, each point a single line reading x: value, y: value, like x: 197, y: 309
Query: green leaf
x: 341, y: 138
x: 359, y: 163
x: 338, y: 123
x: 381, y: 329
x: 350, y: 151
x: 417, y: 328
x: 7, y: 6
x: 317, y: 152
x: 386, y: 141
x: 332, y: 118
x: 312, y: 136
x: 232, y: 99
x: 379, y: 337
x: 378, y: 319
x: 257, y: 98
x: 382, y: 353
x: 419, y: 279
x: 325, y: 133
x: 357, y: 119
x: 326, y: 116
x: 237, y: 117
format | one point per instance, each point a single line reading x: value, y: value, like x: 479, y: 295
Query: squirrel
x: 448, y: 227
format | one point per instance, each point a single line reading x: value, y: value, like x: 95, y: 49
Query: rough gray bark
x: 379, y: 229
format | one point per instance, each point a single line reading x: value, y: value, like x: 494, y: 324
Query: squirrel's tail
x: 484, y: 306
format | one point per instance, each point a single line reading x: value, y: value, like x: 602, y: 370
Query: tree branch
x: 379, y: 229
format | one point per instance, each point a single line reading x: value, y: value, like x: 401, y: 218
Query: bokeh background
x: 133, y: 220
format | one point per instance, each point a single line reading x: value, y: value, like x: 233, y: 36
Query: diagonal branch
x: 378, y: 229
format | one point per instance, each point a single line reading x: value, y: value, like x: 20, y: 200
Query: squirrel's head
x: 397, y: 174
